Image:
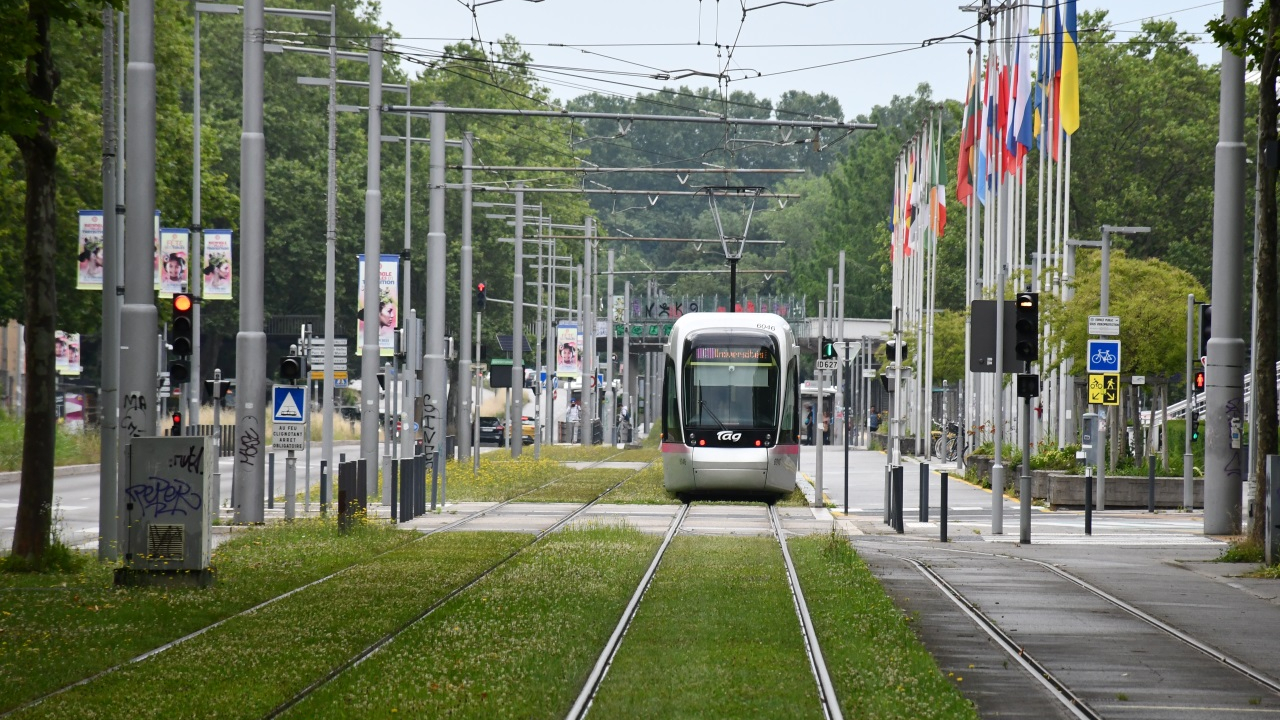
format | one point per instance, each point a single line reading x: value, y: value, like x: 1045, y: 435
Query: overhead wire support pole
x: 695, y: 119
x: 370, y: 351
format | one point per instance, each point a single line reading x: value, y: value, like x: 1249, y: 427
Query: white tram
x: 730, y: 411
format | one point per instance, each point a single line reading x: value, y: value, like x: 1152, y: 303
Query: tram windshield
x: 731, y: 382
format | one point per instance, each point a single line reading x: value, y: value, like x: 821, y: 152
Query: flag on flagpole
x: 1069, y: 106
x: 964, y: 163
x: 940, y: 193
x: 986, y: 128
x: 1021, y: 132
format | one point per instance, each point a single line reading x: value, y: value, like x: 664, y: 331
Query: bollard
x: 942, y: 509
x: 888, y: 495
x: 420, y: 484
x: 1088, y: 503
x: 271, y: 479
x: 1151, y: 483
x: 1272, y: 535
x: 435, y: 487
x: 897, y: 500
x: 394, y: 487
x: 405, y: 473
x: 324, y: 487
x: 924, y: 492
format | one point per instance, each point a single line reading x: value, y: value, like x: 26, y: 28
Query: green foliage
x: 948, y: 346
x: 71, y: 448
x: 1242, y: 551
x: 1149, y: 296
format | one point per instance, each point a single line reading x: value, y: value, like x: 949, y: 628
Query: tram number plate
x: 831, y: 364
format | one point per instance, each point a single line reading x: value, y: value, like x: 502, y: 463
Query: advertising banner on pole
x: 156, y: 253
x: 568, y: 351
x: 217, y: 265
x: 66, y: 353
x: 388, y: 304
x: 89, y: 275
x: 174, y: 260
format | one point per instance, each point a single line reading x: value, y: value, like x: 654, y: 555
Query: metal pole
x: 1024, y: 486
x: 475, y: 418
x: 844, y: 432
x: 610, y: 417
x: 1224, y: 371
x: 843, y: 415
x: 1188, y: 460
x: 588, y: 338
x: 517, y: 332
x: 821, y: 377
x: 290, y: 486
x: 436, y: 395
x: 330, y: 260
x: 465, y: 436
x: 410, y: 374
x: 372, y: 262
x: 251, y: 341
x: 195, y: 387
x: 628, y: 396
x: 138, y: 317
x: 217, y: 435
x: 110, y: 403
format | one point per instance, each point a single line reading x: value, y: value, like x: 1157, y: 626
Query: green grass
x: 519, y: 644
x: 575, y: 453
x: 71, y: 448
x: 58, y: 629
x: 1243, y: 551
x: 645, y: 488
x: 716, y: 637
x: 253, y: 663
x: 580, y: 487
x: 879, y: 668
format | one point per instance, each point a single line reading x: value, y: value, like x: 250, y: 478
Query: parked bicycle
x: 949, y: 444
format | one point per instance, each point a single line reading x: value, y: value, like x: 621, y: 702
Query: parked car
x: 492, y: 430
x: 526, y: 430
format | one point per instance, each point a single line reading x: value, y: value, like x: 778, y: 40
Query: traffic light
x: 891, y: 350
x: 1199, y: 381
x: 1206, y: 328
x: 183, y: 340
x: 828, y: 349
x: 177, y: 424
x: 1026, y: 327
x: 1195, y: 426
x: 480, y: 298
x: 291, y: 367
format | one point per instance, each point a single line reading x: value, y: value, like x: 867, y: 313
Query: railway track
x: 1068, y: 693
x: 386, y: 639
x: 817, y: 663
x: 424, y: 534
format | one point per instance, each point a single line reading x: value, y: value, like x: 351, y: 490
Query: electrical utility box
x: 1091, y: 441
x: 165, y: 505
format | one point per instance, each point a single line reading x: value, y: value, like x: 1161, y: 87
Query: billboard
x: 388, y: 304
x: 568, y: 351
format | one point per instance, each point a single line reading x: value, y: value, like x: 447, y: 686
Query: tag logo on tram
x: 729, y: 435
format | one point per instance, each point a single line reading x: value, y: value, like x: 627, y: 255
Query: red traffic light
x: 182, y: 302
x: 480, y: 287
x: 1200, y: 380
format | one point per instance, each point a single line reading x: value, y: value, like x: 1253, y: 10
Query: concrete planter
x: 1061, y: 489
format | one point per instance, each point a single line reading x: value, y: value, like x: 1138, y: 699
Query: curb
x: 61, y: 471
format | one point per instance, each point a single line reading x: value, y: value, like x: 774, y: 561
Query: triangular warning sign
x: 288, y: 409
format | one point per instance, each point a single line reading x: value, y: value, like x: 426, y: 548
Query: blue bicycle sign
x: 1104, y: 356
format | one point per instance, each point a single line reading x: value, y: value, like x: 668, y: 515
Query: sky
x: 863, y: 52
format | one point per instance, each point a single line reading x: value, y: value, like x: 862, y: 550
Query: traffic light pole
x: 1188, y: 477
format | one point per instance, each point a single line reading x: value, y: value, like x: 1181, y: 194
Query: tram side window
x: 787, y: 429
x: 670, y: 409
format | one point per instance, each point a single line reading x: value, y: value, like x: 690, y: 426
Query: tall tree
x: 1257, y: 37
x: 28, y: 80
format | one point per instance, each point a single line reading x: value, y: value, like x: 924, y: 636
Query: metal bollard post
x: 942, y: 510
x: 1272, y: 535
x: 1088, y: 503
x: 888, y: 495
x: 395, y: 487
x: 1151, y: 483
x: 435, y: 487
x: 897, y: 500
x: 924, y: 492
x: 271, y: 479
x: 324, y: 487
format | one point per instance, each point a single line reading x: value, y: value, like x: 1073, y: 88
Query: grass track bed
x: 57, y: 629
x: 644, y: 488
x: 880, y: 669
x: 583, y: 486
x: 715, y: 637
x: 251, y: 664
x: 518, y: 644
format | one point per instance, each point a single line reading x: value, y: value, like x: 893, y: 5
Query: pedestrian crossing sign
x: 289, y: 404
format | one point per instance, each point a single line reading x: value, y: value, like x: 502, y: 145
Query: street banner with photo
x: 155, y: 258
x: 388, y: 305
x: 66, y: 353
x: 568, y: 351
x: 619, y: 308
x: 89, y: 274
x: 174, y: 260
x: 217, y: 265
x: 73, y: 412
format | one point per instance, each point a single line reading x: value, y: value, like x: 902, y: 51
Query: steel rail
x: 817, y: 663
x: 1155, y: 622
x: 1056, y: 687
x: 382, y: 642
x: 623, y: 117
x: 423, y: 534
x: 583, y: 704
